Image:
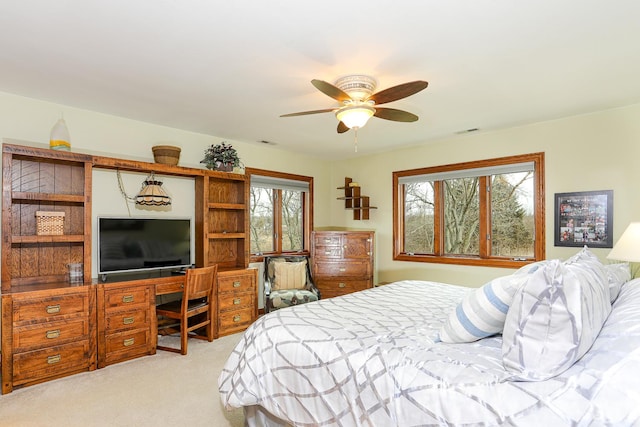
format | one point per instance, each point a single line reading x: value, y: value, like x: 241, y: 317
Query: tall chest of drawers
x: 237, y: 300
x: 52, y: 334
x: 343, y: 261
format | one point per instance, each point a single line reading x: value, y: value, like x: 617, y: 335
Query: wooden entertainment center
x: 52, y: 327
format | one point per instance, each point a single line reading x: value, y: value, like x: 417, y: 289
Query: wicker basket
x: 166, y: 154
x: 49, y: 223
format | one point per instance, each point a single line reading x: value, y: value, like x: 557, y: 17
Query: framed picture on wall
x: 584, y: 218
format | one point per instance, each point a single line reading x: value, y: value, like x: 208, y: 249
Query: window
x: 489, y: 212
x: 281, y: 217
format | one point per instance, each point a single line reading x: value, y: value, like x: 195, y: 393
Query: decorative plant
x: 220, y: 155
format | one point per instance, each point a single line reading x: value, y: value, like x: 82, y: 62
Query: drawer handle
x: 127, y: 298
x: 128, y: 320
x: 327, y: 252
x: 129, y: 342
x: 53, y: 334
x: 236, y: 284
x: 342, y: 270
x: 236, y: 318
x: 53, y: 309
x: 327, y: 240
x: 342, y: 285
x: 54, y: 359
x: 236, y: 301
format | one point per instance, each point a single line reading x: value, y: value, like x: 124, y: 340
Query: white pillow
x: 618, y: 275
x: 531, y: 268
x: 555, y: 317
x: 481, y: 312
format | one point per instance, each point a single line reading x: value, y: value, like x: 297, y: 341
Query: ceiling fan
x: 356, y: 93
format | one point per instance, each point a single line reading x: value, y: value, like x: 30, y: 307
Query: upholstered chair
x: 287, y: 282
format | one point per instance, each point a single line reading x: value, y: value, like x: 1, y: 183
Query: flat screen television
x: 129, y: 244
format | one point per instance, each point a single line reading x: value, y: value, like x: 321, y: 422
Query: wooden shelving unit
x: 48, y: 327
x: 70, y: 320
x: 222, y: 221
x: 222, y: 238
x: 355, y: 201
x: 37, y: 179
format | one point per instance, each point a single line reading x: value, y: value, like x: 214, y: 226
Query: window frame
x: 484, y: 258
x: 307, y: 212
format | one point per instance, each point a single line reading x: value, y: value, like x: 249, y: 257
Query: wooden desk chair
x: 197, y: 300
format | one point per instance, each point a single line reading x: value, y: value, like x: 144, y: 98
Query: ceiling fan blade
x: 398, y: 92
x: 304, y: 113
x: 342, y: 128
x: 395, y: 115
x: 330, y: 90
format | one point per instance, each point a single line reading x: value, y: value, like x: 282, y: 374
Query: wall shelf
x: 353, y: 200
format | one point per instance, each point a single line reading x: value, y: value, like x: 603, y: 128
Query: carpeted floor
x: 162, y: 390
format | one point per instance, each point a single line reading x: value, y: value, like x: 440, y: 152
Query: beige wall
x: 589, y: 152
x: 598, y: 151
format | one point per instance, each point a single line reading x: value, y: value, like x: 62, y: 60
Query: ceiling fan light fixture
x: 355, y: 116
x: 358, y: 86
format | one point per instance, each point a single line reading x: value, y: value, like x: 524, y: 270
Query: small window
x: 488, y: 212
x: 280, y: 216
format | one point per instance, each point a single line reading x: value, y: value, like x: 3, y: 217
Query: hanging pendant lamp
x: 152, y: 193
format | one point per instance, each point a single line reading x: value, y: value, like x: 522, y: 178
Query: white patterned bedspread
x: 371, y: 359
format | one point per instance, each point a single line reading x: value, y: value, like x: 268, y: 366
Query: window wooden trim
x: 483, y: 259
x: 307, y: 209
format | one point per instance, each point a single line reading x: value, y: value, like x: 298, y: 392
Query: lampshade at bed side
x: 628, y: 246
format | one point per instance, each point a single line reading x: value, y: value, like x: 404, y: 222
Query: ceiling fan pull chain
x: 355, y: 139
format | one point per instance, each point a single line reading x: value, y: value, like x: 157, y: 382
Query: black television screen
x: 129, y: 244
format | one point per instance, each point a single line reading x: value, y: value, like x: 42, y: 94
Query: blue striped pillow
x: 482, y: 312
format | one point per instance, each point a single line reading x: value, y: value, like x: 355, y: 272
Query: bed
x: 376, y: 358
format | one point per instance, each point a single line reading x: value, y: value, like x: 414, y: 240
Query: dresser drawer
x: 351, y: 268
x: 331, y: 288
x: 126, y: 319
x: 236, y: 283
x: 49, y: 334
x: 236, y: 301
x: 234, y: 321
x: 35, y: 309
x: 126, y: 297
x: 128, y: 340
x: 321, y: 239
x: 50, y: 362
x: 328, y: 252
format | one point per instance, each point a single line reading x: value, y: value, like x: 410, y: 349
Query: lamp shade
x: 152, y: 193
x: 628, y: 246
x: 355, y: 116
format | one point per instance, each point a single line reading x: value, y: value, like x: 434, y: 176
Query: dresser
x: 126, y: 321
x: 237, y: 300
x: 342, y: 261
x: 50, y: 334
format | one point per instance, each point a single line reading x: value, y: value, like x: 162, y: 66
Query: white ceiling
x: 230, y: 69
